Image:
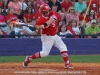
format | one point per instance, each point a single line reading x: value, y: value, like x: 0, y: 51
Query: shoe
x: 26, y: 62
x: 68, y: 66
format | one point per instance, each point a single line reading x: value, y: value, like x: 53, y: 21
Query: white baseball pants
x: 49, y: 41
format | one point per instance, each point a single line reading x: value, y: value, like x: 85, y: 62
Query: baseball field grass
x: 55, y: 58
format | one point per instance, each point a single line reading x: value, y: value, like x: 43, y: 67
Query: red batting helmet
x: 44, y: 8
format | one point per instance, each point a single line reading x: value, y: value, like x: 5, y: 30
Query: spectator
x: 9, y: 19
x: 38, y: 3
x: 28, y: 15
x: 99, y: 6
x: 58, y: 5
x: 8, y: 28
x: 2, y: 18
x: 31, y: 3
x: 92, y: 15
x: 33, y: 28
x: 37, y: 15
x: 65, y: 5
x: 33, y: 23
x: 16, y: 5
x: 11, y: 16
x: 73, y: 28
x: 22, y: 30
x: 93, y: 29
x: 14, y: 28
x: 23, y: 7
x: 72, y: 15
x: 82, y: 29
x: 63, y: 32
x: 87, y: 18
x: 3, y: 24
x: 1, y: 3
x: 5, y: 3
x: 80, y: 6
x: 94, y: 5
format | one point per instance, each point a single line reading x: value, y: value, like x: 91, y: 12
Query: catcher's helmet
x: 44, y: 8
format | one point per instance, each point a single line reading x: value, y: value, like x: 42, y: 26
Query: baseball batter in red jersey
x: 47, y: 28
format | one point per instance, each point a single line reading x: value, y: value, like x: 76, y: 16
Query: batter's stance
x: 47, y: 28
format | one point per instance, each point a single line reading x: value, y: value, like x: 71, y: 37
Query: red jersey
x: 66, y: 5
x: 81, y: 17
x: 94, y: 5
x: 11, y: 17
x: 99, y: 8
x: 28, y: 17
x: 51, y: 30
x: 98, y: 17
x: 1, y: 4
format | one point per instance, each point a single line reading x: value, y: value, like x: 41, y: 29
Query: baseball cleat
x: 68, y: 66
x: 25, y: 63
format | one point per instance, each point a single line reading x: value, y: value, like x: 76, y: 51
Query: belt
x: 50, y: 34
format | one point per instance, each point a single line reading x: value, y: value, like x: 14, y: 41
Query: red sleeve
x: 7, y: 18
x: 87, y: 19
x: 33, y: 15
x: 52, y: 15
x: 62, y: 4
x: 98, y: 15
x: 25, y: 15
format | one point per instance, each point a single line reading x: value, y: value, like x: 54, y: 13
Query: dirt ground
x: 49, y: 69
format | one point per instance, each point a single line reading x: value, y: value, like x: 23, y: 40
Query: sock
x: 34, y: 56
x: 65, y: 57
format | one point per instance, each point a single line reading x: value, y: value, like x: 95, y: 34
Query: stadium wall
x: 28, y: 46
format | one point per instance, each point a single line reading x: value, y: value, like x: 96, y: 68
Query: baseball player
x: 47, y: 28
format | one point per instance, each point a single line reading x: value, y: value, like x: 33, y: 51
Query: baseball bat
x: 22, y: 24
